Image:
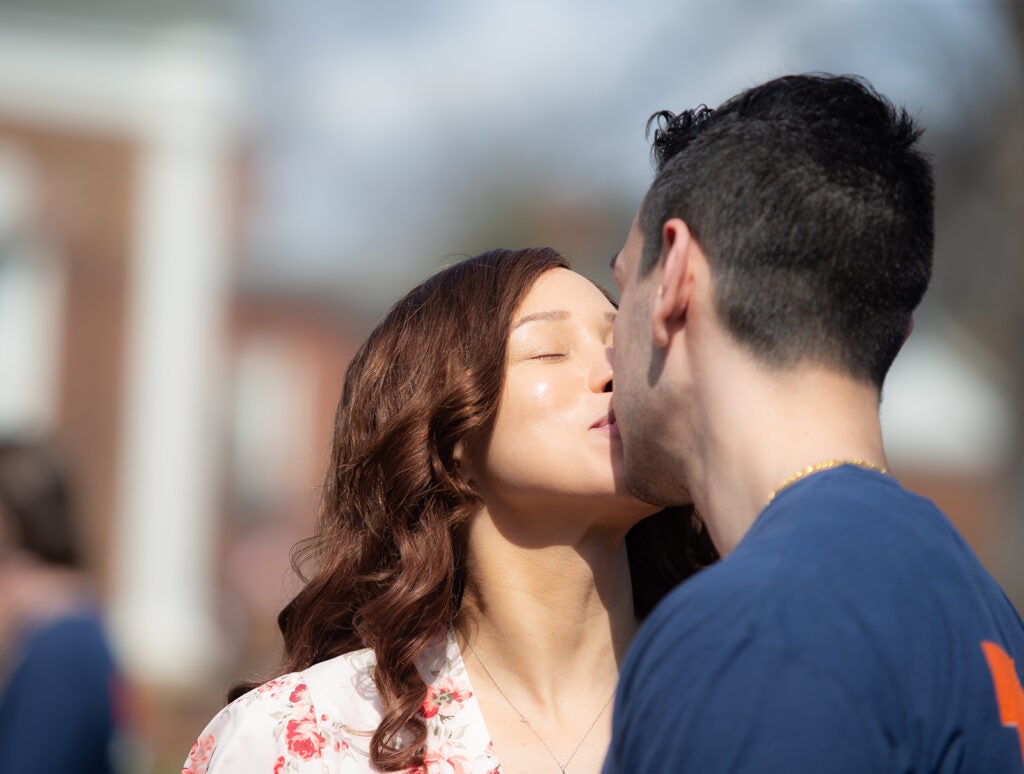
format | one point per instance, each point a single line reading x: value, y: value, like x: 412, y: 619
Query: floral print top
x: 319, y: 721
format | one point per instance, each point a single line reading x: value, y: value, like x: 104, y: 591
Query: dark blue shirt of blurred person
x: 57, y: 710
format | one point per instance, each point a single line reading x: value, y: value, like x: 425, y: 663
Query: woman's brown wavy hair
x: 385, y: 568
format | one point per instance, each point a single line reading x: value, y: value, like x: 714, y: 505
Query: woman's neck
x: 556, y: 618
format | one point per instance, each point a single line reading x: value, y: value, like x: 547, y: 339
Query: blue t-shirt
x: 57, y: 712
x: 851, y: 630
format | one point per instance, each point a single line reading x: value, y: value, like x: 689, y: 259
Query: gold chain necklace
x: 523, y: 718
x: 819, y: 466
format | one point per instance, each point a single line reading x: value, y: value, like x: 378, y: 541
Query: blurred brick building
x: 193, y: 402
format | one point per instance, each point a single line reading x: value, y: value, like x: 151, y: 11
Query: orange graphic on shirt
x: 1009, y: 693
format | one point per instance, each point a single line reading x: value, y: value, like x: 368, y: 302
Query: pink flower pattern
x: 447, y: 759
x: 304, y: 740
x: 199, y: 757
x: 320, y: 721
x: 445, y: 697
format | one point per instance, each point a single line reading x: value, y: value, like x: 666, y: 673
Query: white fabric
x: 319, y: 721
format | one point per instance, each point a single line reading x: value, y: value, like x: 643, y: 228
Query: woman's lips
x: 606, y: 423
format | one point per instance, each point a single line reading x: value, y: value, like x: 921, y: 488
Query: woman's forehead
x: 562, y: 290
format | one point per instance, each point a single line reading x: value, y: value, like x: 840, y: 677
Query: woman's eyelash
x: 549, y: 356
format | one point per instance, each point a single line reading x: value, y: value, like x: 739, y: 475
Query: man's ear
x: 669, y: 308
x: 910, y: 329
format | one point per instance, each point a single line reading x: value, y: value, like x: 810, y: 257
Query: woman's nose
x: 601, y: 374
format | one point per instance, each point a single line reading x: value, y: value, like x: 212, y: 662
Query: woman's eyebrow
x: 555, y: 314
x: 551, y: 314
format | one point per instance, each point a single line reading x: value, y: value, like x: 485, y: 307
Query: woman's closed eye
x: 550, y: 356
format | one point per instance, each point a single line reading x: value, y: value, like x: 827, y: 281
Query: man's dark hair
x: 813, y: 201
x: 35, y: 502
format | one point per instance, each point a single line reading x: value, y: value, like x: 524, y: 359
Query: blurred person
x: 478, y: 568
x: 59, y: 686
x: 767, y: 284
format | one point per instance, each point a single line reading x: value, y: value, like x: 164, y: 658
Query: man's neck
x: 762, y: 429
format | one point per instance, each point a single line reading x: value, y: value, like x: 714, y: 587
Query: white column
x: 168, y: 515
x: 32, y: 284
x: 177, y: 96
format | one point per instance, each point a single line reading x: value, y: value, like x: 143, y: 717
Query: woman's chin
x: 623, y: 491
x: 631, y: 504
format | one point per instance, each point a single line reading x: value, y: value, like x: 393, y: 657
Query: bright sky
x: 381, y: 125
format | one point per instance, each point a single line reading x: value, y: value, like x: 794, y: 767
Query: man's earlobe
x: 669, y: 308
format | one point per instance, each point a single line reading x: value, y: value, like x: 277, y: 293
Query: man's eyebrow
x: 551, y: 314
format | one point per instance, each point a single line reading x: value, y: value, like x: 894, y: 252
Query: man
x: 767, y: 284
x: 60, y: 690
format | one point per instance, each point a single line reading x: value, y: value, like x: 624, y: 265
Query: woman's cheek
x: 542, y: 392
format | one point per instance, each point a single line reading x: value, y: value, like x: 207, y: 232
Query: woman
x: 474, y: 507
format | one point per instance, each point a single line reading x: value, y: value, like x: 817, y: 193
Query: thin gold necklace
x: 826, y: 465
x: 523, y: 718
